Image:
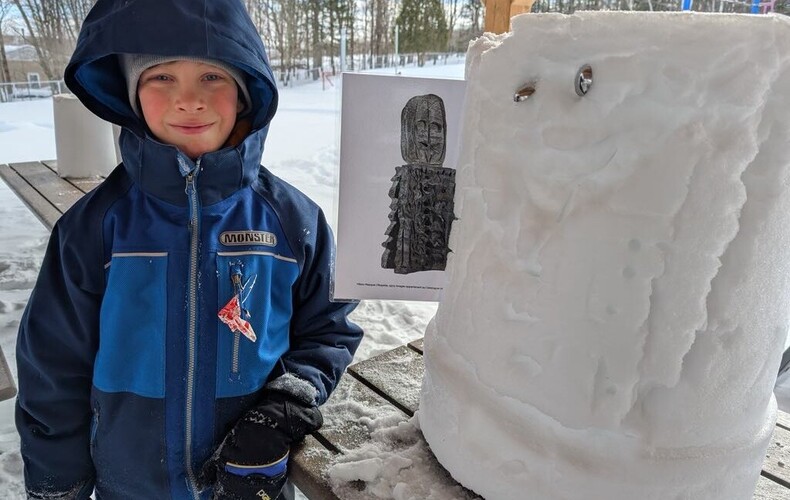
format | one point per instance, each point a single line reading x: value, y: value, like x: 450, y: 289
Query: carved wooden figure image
x: 422, y: 192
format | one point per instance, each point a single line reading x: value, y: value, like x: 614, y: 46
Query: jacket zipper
x: 237, y: 278
x: 194, y: 229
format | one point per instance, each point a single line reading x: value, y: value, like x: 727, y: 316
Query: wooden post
x: 520, y: 7
x: 499, y: 12
x: 497, y: 16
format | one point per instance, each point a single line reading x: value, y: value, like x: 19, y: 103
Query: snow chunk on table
x: 384, y: 465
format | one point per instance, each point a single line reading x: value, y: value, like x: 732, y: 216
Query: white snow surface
x: 301, y: 148
x: 618, y: 288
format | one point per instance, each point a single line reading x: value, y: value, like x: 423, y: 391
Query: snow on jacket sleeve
x: 323, y: 340
x: 56, y: 347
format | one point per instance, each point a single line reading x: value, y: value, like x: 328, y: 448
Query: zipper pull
x: 233, y: 314
x: 189, y: 175
x: 190, y: 188
x: 236, y: 277
x: 240, y: 287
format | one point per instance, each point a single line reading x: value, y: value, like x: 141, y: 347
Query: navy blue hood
x: 216, y: 29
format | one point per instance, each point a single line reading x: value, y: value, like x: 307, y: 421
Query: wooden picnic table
x: 388, y: 382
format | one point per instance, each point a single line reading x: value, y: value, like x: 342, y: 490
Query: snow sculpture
x: 422, y: 192
x: 619, y: 285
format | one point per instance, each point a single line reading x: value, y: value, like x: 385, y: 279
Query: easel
x: 499, y: 12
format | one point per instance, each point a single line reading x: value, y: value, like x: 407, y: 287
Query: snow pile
x: 395, y: 463
x: 389, y: 324
x: 26, y: 131
x: 618, y: 286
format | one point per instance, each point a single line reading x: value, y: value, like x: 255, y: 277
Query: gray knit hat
x: 133, y: 66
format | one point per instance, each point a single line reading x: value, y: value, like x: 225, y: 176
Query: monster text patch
x: 231, y: 238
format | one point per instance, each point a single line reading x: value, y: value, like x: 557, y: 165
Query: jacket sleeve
x: 323, y: 340
x: 55, y: 352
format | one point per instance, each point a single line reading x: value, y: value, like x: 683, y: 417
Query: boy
x: 180, y: 336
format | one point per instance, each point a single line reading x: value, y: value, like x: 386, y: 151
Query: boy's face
x: 189, y: 104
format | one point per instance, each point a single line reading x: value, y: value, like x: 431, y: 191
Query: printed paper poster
x: 398, y: 153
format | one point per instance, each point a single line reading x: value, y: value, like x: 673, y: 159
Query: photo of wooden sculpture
x: 422, y: 192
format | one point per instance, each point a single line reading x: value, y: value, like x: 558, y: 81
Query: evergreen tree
x: 422, y: 27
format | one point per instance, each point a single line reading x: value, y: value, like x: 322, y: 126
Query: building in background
x: 23, y: 63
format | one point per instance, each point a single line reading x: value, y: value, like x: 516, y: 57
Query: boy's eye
x: 212, y: 77
x: 157, y: 78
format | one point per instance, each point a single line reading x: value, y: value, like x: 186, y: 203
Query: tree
x: 53, y: 26
x: 471, y: 25
x: 452, y: 13
x: 377, y: 23
x: 316, y: 9
x: 339, y: 16
x: 422, y: 27
x: 284, y: 28
x: 5, y: 73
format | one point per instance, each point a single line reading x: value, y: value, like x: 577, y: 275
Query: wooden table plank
x: 777, y: 459
x: 341, y: 432
x: 45, y: 211
x: 396, y: 374
x: 783, y: 420
x: 84, y: 184
x: 769, y: 490
x: 354, y: 405
x: 308, y: 468
x: 311, y: 461
x: 59, y: 192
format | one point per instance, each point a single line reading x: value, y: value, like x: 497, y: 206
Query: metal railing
x: 27, y: 91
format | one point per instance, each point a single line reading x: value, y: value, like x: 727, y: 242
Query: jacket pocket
x: 133, y: 319
x: 255, y: 305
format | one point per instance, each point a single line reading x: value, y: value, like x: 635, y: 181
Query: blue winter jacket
x: 127, y: 378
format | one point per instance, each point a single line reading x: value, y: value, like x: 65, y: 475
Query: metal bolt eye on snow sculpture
x: 524, y: 93
x: 422, y: 192
x: 583, y: 80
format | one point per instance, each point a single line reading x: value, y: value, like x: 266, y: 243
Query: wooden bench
x: 389, y: 382
x: 37, y: 184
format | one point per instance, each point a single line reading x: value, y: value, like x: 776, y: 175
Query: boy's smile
x: 192, y: 105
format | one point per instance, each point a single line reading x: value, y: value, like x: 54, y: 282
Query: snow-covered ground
x: 301, y: 148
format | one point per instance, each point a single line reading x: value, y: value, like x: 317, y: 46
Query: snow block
x: 618, y: 287
x: 84, y: 143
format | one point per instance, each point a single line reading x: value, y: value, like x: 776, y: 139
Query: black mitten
x: 252, y: 460
x: 230, y: 486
